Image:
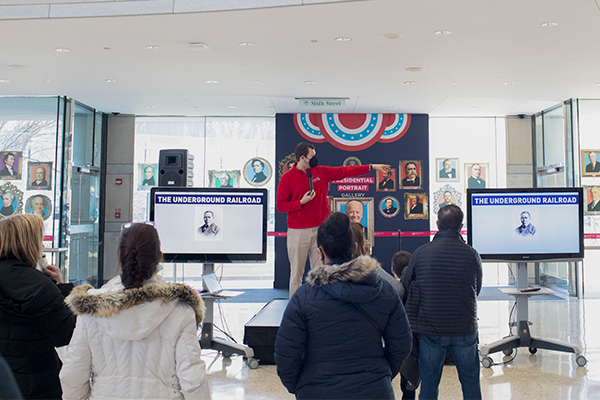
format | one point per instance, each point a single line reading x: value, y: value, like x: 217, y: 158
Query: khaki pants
x: 300, y: 243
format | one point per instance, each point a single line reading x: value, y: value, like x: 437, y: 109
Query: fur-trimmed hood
x: 131, y: 314
x: 354, y: 281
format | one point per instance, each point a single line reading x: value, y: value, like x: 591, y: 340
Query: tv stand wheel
x: 532, y: 350
x: 252, y: 363
x: 487, y: 362
x: 581, y: 361
x: 507, y: 352
x: 226, y: 355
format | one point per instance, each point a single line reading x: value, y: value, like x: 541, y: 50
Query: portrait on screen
x: 386, y: 181
x: 416, y: 206
x: 525, y: 221
x: 447, y: 194
x: 477, y: 175
x: 411, y: 175
x: 224, y: 179
x: 257, y: 171
x: 12, y: 200
x: 39, y: 176
x: 360, y: 210
x: 11, y: 163
x: 39, y: 205
x: 208, y: 223
x: 389, y: 206
x: 147, y: 176
x: 590, y: 164
x: 447, y: 169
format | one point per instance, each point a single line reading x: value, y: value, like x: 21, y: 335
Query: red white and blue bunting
x: 352, y: 132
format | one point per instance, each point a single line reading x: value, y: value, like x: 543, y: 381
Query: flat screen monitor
x: 526, y: 224
x: 210, y: 225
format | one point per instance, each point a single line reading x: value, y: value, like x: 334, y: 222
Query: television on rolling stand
x: 526, y: 225
x: 521, y: 226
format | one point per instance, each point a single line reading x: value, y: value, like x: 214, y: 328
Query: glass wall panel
x: 218, y: 145
x: 28, y: 133
x: 83, y: 136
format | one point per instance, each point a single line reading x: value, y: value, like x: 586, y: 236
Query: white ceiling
x: 492, y: 42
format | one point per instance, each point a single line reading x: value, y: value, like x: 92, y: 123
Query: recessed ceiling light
x: 472, y: 108
x: 455, y: 83
x: 343, y: 39
x: 231, y: 107
x: 153, y: 47
x: 255, y: 82
x: 111, y: 81
x: 410, y: 83
x: 4, y: 81
x: 62, y: 50
x: 107, y: 48
x: 414, y: 69
x: 198, y: 46
x: 598, y: 84
x: 150, y: 106
x: 548, y: 24
x: 392, y: 107
x: 310, y: 82
x: 314, y: 41
x: 18, y: 67
x: 391, y: 36
x: 247, y: 44
x: 508, y: 83
x: 442, y: 33
x: 211, y: 81
x: 47, y: 81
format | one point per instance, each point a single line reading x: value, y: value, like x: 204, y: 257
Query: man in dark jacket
x: 442, y: 282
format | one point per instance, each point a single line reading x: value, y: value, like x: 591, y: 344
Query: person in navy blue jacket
x: 329, y: 344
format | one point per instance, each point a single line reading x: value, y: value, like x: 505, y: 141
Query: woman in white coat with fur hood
x: 135, y: 337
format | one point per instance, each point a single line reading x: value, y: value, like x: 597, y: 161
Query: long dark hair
x: 139, y: 254
x: 335, y: 237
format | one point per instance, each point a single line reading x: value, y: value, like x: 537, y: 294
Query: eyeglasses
x: 128, y: 225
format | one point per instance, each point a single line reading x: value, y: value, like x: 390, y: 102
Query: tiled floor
x: 546, y: 375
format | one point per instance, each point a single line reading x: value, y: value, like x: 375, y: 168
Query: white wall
x: 471, y: 140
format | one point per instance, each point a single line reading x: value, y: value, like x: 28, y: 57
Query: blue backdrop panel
x: 397, y: 137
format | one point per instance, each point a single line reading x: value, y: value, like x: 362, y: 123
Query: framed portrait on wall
x: 39, y: 176
x: 360, y: 210
x: 147, y: 176
x: 39, y: 205
x: 447, y: 169
x: 591, y: 196
x: 410, y: 173
x: 224, y: 179
x: 257, y: 171
x: 477, y: 175
x: 446, y: 195
x: 11, y: 163
x: 590, y: 165
x: 416, y: 206
x: 11, y: 200
x: 386, y: 181
x: 389, y: 206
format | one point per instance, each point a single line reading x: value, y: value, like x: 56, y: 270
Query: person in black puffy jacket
x: 329, y: 344
x: 33, y: 316
x: 442, y: 282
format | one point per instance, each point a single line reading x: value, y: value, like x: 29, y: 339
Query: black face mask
x: 313, y: 162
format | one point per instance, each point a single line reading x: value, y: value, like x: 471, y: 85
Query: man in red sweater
x: 307, y: 209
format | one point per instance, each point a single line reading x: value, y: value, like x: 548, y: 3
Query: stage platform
x: 261, y: 331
